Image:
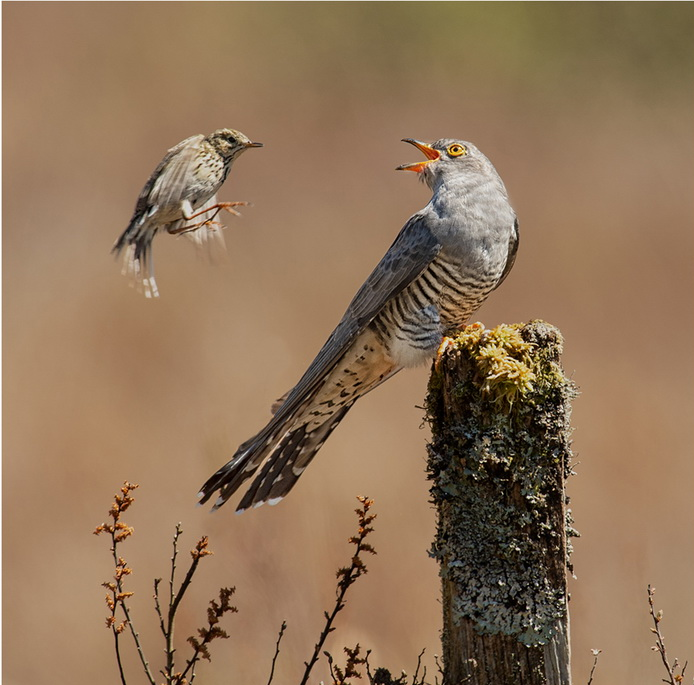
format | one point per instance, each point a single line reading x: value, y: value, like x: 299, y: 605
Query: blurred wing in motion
x: 159, y: 202
x: 206, y: 235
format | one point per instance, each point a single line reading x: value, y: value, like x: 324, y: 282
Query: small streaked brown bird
x: 442, y: 266
x: 181, y: 189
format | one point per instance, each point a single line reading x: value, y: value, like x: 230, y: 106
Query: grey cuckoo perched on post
x: 183, y: 187
x: 443, y: 264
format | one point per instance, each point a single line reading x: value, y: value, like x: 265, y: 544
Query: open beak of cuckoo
x: 431, y: 154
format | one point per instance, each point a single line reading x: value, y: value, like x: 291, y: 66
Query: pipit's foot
x: 228, y: 206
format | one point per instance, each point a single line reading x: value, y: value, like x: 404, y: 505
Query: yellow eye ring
x: 456, y: 150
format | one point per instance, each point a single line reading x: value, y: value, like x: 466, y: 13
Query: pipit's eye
x: 456, y: 150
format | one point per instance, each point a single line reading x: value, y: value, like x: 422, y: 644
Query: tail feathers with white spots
x: 284, y: 462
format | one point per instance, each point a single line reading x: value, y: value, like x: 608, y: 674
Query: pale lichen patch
x: 499, y: 406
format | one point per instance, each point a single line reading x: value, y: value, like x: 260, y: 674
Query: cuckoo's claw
x: 445, y: 344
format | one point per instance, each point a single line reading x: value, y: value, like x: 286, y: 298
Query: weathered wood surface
x: 499, y: 407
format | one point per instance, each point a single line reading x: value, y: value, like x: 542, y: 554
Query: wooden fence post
x: 499, y: 407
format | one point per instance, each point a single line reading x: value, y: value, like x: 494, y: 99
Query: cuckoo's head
x: 446, y: 158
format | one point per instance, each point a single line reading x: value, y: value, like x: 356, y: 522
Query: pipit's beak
x: 429, y: 151
x: 251, y: 144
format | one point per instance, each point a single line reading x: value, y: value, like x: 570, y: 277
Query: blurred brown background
x: 585, y: 109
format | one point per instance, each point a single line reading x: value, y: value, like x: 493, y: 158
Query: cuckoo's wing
x: 513, y: 243
x: 409, y: 255
x: 166, y: 184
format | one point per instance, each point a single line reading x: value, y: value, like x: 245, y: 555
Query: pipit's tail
x: 136, y: 244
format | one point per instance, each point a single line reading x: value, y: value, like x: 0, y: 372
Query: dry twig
x: 346, y: 577
x: 341, y: 676
x: 382, y: 676
x: 117, y: 597
x: 596, y: 654
x: 674, y: 677
x: 214, y: 613
x: 120, y: 532
x: 277, y: 651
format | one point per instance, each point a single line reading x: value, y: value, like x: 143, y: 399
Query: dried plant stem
x: 190, y: 667
x: 215, y: 612
x: 416, y: 671
x: 339, y: 604
x: 191, y: 663
x: 596, y: 654
x: 673, y: 677
x: 186, y: 582
x: 277, y: 651
x: 120, y: 532
x: 157, y: 606
x: 118, y: 659
x: 117, y: 596
x: 129, y: 623
x: 341, y: 676
x: 369, y: 674
x: 175, y: 597
x: 169, y: 633
x: 348, y: 576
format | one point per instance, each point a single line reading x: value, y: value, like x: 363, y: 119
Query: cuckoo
x: 443, y: 264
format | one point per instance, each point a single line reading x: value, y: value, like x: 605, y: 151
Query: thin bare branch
x: 674, y: 678
x: 169, y: 650
x: 596, y: 654
x: 347, y: 576
x: 118, y: 659
x: 277, y: 651
x: 157, y: 606
x: 416, y: 671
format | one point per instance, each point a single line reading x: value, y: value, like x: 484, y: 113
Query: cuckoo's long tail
x: 285, y: 460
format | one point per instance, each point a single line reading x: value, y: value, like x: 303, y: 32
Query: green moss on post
x: 499, y: 407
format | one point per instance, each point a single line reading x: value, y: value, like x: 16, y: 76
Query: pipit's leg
x: 210, y: 223
x: 228, y: 206
x: 188, y: 215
